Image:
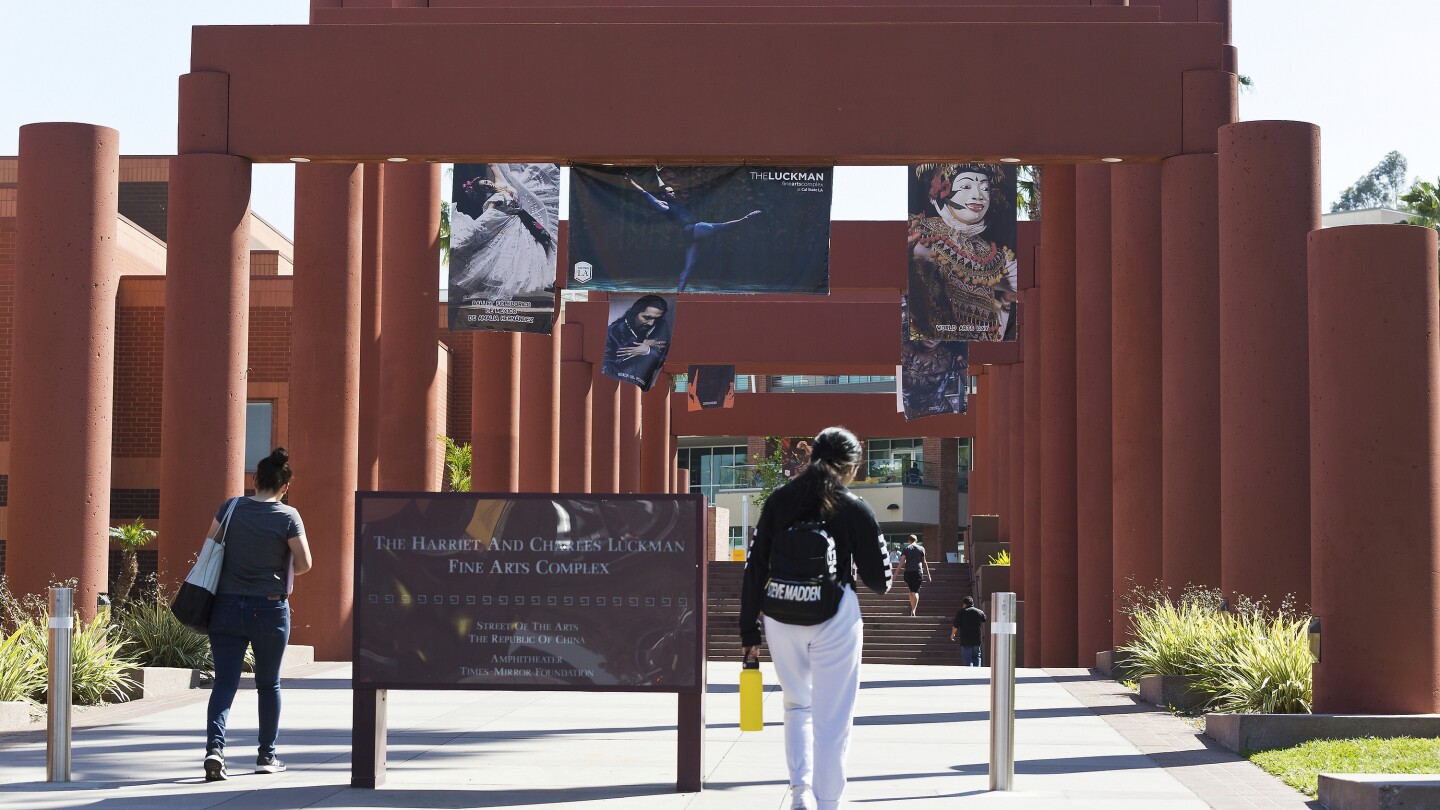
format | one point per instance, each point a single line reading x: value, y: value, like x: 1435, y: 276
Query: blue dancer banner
x: 712, y: 229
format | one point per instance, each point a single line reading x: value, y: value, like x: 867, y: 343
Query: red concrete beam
x: 760, y: 12
x: 793, y: 93
x: 806, y: 414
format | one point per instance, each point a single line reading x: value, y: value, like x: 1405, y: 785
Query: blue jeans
x: 970, y: 656
x: 235, y: 623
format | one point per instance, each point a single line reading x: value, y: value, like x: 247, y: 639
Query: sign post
x: 1002, y: 691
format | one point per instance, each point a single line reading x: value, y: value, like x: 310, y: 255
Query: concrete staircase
x: 892, y: 636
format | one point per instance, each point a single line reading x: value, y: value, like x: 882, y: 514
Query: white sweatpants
x: 819, y: 671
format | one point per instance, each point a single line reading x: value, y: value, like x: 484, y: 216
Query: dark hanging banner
x: 713, y: 229
x: 710, y: 387
x: 474, y: 591
x: 962, y: 251
x: 504, y: 228
x: 934, y: 374
x: 638, y: 338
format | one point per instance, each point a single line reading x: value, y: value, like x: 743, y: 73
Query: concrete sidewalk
x: 920, y: 742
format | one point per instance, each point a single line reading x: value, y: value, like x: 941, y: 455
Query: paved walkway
x: 921, y: 742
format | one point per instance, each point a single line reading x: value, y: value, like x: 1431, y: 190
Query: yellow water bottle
x: 751, y: 697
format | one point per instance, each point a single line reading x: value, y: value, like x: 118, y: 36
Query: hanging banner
x: 504, y: 228
x: 710, y: 387
x: 638, y: 338
x: 711, y: 229
x: 962, y: 251
x: 934, y: 374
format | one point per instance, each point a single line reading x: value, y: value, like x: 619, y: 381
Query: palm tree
x: 1423, y: 200
x: 457, y: 464
x: 130, y: 537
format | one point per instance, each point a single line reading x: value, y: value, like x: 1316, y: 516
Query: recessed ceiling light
x: 1009, y: 160
x: 299, y: 160
x: 1111, y: 160
x: 396, y: 160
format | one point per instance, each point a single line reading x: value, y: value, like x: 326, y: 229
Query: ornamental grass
x: 1250, y: 659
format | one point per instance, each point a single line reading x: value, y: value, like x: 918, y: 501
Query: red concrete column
x: 207, y: 324
x: 574, y: 412
x: 495, y: 412
x: 63, y: 359
x: 1374, y: 479
x: 1016, y: 506
x: 536, y: 392
x: 204, y: 97
x: 1001, y: 377
x: 554, y: 392
x: 682, y: 480
x: 372, y: 246
x: 1094, y: 490
x: 1270, y: 185
x: 630, y: 438
x: 1135, y: 378
x: 1190, y: 351
x: 981, y: 450
x: 325, y: 396
x: 655, y: 459
x: 409, y: 449
x: 1209, y: 100
x: 605, y: 432
x: 1057, y: 420
x: 1032, y: 320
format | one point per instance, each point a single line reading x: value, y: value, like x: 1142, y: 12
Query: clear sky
x: 1363, y: 71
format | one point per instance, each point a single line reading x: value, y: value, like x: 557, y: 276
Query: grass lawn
x: 1300, y: 767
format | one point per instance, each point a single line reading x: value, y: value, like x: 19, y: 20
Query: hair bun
x: 279, y: 456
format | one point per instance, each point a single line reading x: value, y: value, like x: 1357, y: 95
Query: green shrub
x: 153, y: 637
x: 22, y: 668
x: 1250, y: 660
x: 1003, y: 558
x: 1267, y: 668
x: 1170, y: 635
x: 98, y: 671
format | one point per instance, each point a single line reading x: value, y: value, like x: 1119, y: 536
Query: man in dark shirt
x: 967, y: 624
x: 915, y: 566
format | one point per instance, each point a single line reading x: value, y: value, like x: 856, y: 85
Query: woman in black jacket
x: 818, y: 664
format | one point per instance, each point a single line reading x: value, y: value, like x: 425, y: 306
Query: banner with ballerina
x: 638, y: 338
x: 961, y: 251
x: 703, y: 229
x: 504, y: 228
x: 934, y: 374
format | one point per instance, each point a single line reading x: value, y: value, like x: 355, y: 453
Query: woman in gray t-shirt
x: 264, y: 548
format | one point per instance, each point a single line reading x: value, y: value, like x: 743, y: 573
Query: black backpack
x: 804, y: 585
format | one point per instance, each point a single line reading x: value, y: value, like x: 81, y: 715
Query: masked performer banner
x: 934, y: 374
x: 638, y: 338
x: 962, y: 251
x: 712, y: 229
x: 504, y: 227
x: 710, y: 387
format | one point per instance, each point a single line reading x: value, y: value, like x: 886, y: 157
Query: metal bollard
x: 1002, y: 691
x: 62, y: 631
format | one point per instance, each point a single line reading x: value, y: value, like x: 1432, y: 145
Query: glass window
x: 259, y: 424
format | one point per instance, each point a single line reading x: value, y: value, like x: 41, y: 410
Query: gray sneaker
x: 215, y: 767
x: 269, y: 764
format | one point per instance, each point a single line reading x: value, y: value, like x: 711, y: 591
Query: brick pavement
x: 1216, y: 775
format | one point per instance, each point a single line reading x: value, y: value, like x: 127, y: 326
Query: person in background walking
x: 264, y: 548
x: 967, y: 624
x: 915, y: 566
